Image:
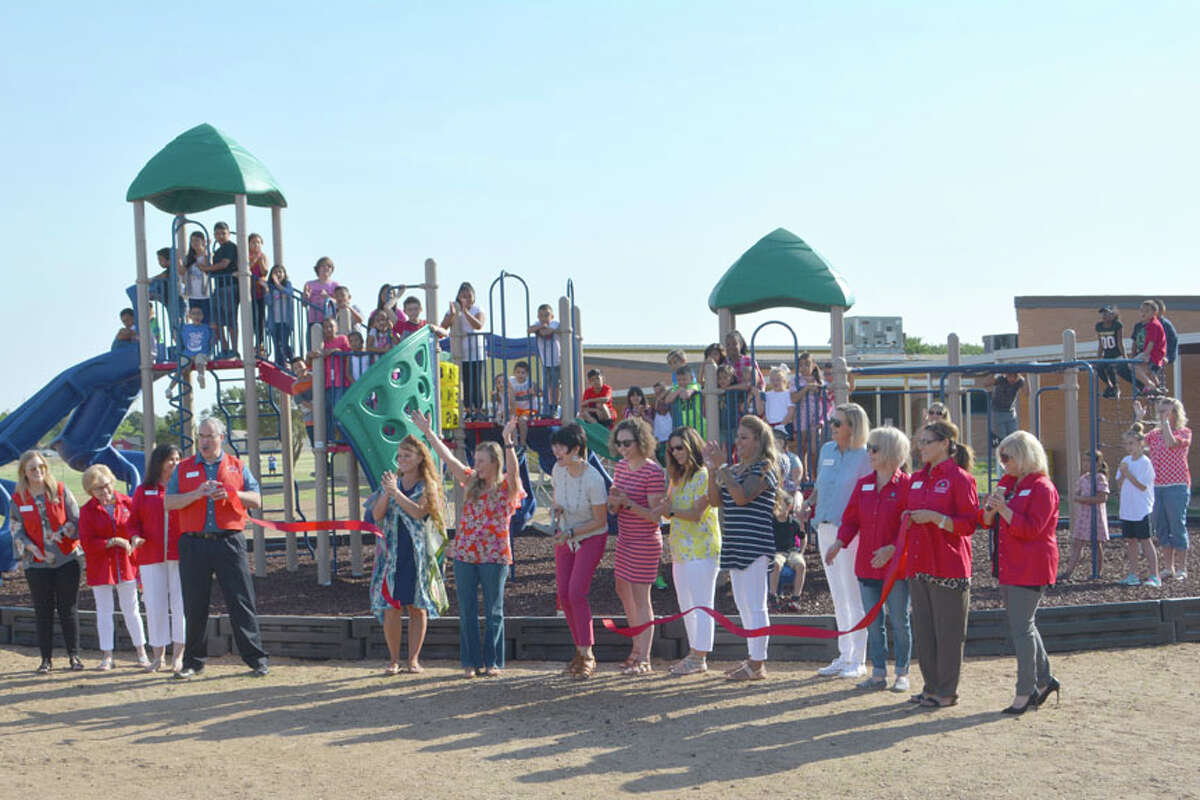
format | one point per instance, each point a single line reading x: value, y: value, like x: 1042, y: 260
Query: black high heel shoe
x: 1031, y: 704
x: 1052, y: 686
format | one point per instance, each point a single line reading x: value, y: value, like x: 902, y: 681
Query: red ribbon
x: 333, y: 525
x: 895, y: 570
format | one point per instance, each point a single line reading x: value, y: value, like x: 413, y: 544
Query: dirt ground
x: 341, y: 729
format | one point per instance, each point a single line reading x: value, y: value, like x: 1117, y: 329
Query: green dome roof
x: 780, y: 270
x: 201, y: 169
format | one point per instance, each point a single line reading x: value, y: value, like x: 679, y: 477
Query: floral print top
x: 691, y: 541
x: 482, y: 534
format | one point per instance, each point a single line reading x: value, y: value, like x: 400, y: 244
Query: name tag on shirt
x: 828, y: 462
x: 868, y: 487
x: 192, y: 474
x: 151, y: 493
x: 918, y: 484
x: 1023, y: 492
x: 941, y: 487
x: 26, y: 508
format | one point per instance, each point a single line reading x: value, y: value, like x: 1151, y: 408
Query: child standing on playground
x: 1135, y: 482
x: 196, y: 340
x: 468, y: 346
x: 730, y: 408
x: 523, y: 392
x: 790, y: 539
x: 636, y: 405
x: 359, y: 358
x: 662, y: 425
x: 280, y: 314
x: 259, y: 270
x: 500, y: 399
x: 380, y: 337
x: 778, y: 409
x: 318, y: 293
x: 349, y: 318
x: 550, y: 354
x: 196, y: 283
x: 410, y: 321
x: 596, y: 405
x: 1088, y: 512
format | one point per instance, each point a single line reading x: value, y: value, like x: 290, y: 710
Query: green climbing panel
x: 374, y: 410
x: 597, y: 438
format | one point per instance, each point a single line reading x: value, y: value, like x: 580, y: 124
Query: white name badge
x: 827, y: 462
x: 918, y: 484
x: 151, y: 493
x: 25, y: 508
x: 868, y: 487
x: 1023, y: 492
x: 195, y: 474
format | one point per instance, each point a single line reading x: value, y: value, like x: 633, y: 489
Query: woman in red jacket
x: 158, y: 557
x: 873, y: 514
x: 943, y: 507
x: 107, y: 546
x: 1025, y: 503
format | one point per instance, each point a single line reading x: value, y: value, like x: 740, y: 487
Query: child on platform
x: 380, y: 335
x: 411, y: 322
x: 128, y: 329
x: 636, y: 405
x: 196, y: 340
x: 662, y: 424
x: 596, y: 405
x: 281, y: 314
x: 196, y: 286
x: 550, y: 354
x: 349, y: 317
x: 1135, y: 482
x: 1084, y: 503
x: 359, y: 358
x: 500, y: 399
x: 523, y: 392
x: 789, y: 536
x: 778, y: 409
x: 1154, y: 350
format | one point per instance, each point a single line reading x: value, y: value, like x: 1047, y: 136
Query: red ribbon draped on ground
x: 895, y: 570
x: 331, y: 525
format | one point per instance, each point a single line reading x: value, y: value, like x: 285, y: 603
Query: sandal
x: 413, y: 669
x: 76, y: 664
x: 931, y: 701
x: 392, y: 669
x: 587, y: 668
x: 573, y: 667
x: 689, y: 665
x: 629, y: 662
x: 745, y: 672
x: 638, y: 668
x: 492, y: 672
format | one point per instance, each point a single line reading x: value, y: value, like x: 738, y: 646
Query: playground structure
x: 362, y: 423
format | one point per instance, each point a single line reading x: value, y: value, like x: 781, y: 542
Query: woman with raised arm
x: 1167, y: 445
x: 482, y: 550
x: 943, y: 506
x: 639, y: 485
x: 580, y: 534
x: 747, y: 494
x: 408, y: 509
x: 1025, y: 503
x: 44, y: 517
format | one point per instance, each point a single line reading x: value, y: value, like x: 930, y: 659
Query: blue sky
x: 943, y: 157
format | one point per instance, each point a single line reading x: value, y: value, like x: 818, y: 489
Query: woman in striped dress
x: 747, y: 494
x: 639, y: 484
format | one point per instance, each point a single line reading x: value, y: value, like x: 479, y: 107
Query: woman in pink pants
x: 581, y: 531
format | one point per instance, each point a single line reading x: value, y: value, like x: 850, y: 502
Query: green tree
x: 916, y: 346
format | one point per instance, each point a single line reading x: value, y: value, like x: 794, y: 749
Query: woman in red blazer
x: 943, y: 507
x: 1024, y: 505
x: 108, y: 547
x: 158, y: 557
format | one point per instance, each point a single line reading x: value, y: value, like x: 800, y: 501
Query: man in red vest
x: 212, y: 491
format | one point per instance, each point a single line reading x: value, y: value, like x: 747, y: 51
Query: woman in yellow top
x: 695, y: 541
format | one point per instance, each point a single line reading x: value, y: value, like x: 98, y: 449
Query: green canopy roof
x: 201, y: 169
x: 780, y: 270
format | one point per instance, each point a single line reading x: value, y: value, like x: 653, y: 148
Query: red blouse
x: 106, y: 565
x: 1027, y: 550
x: 146, y: 520
x: 874, y: 513
x: 947, y: 489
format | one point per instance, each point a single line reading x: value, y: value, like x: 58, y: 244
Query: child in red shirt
x: 412, y: 322
x: 1150, y: 371
x: 596, y: 405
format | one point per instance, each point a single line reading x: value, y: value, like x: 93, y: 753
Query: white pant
x: 161, y: 590
x: 696, y: 585
x: 847, y: 598
x: 750, y: 596
x: 105, y: 627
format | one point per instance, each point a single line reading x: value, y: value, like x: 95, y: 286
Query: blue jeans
x: 896, y: 609
x: 1170, y: 515
x: 468, y: 578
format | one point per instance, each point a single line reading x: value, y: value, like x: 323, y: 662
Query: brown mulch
x: 531, y: 592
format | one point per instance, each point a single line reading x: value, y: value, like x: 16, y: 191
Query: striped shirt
x: 639, y: 541
x: 747, y: 532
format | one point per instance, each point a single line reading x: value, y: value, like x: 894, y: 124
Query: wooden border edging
x: 1063, y: 628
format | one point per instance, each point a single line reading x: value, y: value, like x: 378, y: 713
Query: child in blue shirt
x: 196, y: 338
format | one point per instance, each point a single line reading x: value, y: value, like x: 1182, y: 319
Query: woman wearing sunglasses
x: 943, y: 507
x: 840, y: 464
x: 1025, y: 559
x: 639, y: 485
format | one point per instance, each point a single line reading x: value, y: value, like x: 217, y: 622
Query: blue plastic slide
x: 100, y: 390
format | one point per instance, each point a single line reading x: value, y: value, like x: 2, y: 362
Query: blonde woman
x: 695, y: 540
x: 108, y: 546
x: 1167, y: 445
x: 44, y: 534
x: 840, y: 464
x: 482, y: 550
x: 747, y: 493
x: 406, y: 577
x: 1026, y: 504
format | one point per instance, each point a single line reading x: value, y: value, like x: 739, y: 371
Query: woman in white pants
x: 695, y: 541
x: 842, y: 461
x: 158, y: 557
x: 746, y: 492
x: 108, y: 547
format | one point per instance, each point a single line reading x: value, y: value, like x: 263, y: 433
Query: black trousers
x: 199, y: 560
x: 55, y: 588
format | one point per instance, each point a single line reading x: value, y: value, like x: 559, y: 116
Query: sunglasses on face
x: 625, y: 442
x: 835, y: 422
x: 924, y: 442
x: 678, y: 448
